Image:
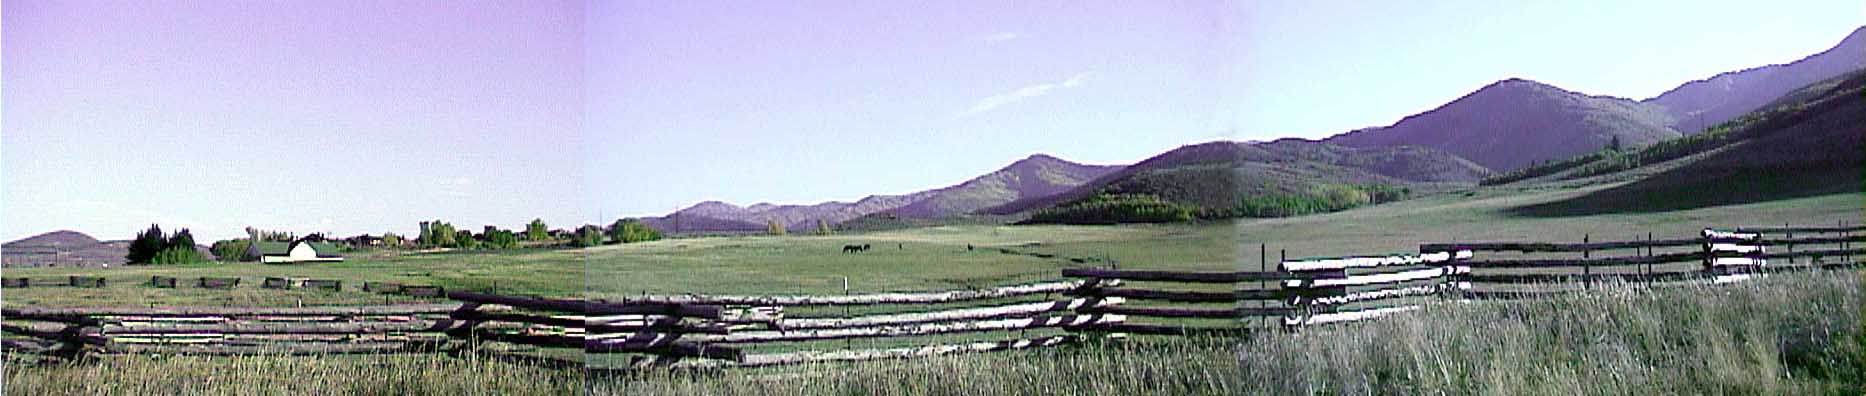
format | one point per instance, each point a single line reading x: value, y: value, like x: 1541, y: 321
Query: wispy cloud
x: 1027, y: 92
x: 1002, y: 37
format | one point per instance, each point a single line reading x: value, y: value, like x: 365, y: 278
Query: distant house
x: 299, y: 251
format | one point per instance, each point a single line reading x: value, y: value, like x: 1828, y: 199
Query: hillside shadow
x: 1674, y: 191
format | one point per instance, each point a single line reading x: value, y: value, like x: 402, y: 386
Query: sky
x: 802, y: 102
x: 337, y: 117
x: 348, y: 117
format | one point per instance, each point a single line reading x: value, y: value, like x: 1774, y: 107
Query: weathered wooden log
x: 1792, y: 241
x: 547, y: 320
x: 321, y: 284
x: 277, y: 283
x: 920, y: 329
x: 1175, y: 276
x: 534, y: 303
x: 382, y: 287
x: 1372, y: 295
x: 1535, y: 247
x: 774, y: 359
x: 85, y: 281
x: 218, y: 283
x: 663, y: 325
x: 276, y: 349
x: 400, y: 309
x: 282, y: 328
x: 1158, y: 295
x: 1378, y: 278
x: 1342, y: 263
x: 872, y: 299
x: 55, y: 332
x: 1582, y: 278
x: 1348, y: 316
x: 424, y: 291
x: 1810, y: 229
x: 1166, y: 312
x: 1596, y: 262
x: 32, y: 346
x: 166, y: 282
x: 1161, y: 329
x: 993, y: 312
x: 663, y: 344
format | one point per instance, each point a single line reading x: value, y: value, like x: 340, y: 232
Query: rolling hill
x: 62, y: 249
x: 1217, y: 175
x: 1511, y: 123
x: 1032, y: 177
x: 1812, y: 142
x: 1698, y: 104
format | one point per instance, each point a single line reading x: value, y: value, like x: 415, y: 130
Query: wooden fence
x: 1092, y: 303
x: 758, y: 331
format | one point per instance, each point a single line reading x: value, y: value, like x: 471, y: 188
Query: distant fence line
x: 1091, y: 303
x: 223, y: 283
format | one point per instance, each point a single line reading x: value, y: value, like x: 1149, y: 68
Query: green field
x: 936, y: 258
x: 531, y: 271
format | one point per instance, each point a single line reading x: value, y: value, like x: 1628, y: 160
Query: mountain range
x: 1503, y: 126
x: 1032, y: 177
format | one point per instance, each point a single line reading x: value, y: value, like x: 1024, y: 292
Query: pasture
x: 531, y: 271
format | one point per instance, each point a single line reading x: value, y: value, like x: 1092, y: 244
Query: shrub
x: 631, y: 231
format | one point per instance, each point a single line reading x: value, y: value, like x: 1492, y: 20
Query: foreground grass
x: 1792, y: 334
x: 290, y: 375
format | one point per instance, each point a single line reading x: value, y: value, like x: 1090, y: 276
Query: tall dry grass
x: 431, y: 374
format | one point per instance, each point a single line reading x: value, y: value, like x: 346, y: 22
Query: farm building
x: 299, y: 251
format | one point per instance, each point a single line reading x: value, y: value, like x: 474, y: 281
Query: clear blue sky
x: 351, y: 117
x: 794, y: 102
x: 342, y: 117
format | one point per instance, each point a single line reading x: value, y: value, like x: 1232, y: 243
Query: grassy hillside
x: 1813, y: 146
x: 1217, y: 177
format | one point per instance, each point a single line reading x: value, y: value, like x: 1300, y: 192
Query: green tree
x: 772, y: 227
x: 178, y: 255
x: 391, y: 240
x: 822, y: 228
x: 182, y: 238
x: 230, y: 249
x: 587, y: 236
x: 1614, y: 144
x: 537, y: 231
x: 147, y: 243
x: 463, y: 239
x: 631, y: 231
x: 499, y: 239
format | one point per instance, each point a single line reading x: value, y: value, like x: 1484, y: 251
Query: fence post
x: 1649, y: 263
x: 1263, y: 264
x: 1587, y: 266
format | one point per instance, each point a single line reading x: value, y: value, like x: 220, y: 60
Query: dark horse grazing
x: 855, y: 248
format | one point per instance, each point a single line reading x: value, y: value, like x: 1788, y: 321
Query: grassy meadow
x: 550, y: 272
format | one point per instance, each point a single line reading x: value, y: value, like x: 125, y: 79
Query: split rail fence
x: 1091, y: 303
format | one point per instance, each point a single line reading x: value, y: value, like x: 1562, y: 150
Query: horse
x: 851, y: 248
